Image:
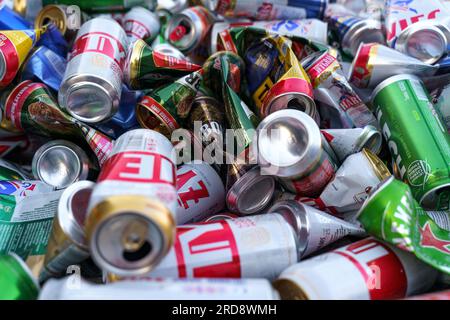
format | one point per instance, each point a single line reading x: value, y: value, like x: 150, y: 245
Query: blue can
x: 125, y: 118
x: 10, y: 20
x: 314, y: 8
x: 44, y: 65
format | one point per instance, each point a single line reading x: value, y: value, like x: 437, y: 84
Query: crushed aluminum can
x: 200, y: 191
x: 346, y: 142
x: 339, y: 105
x: 326, y: 277
x: 375, y: 63
x: 130, y: 223
x: 92, y: 84
x: 304, y: 169
x: 67, y: 244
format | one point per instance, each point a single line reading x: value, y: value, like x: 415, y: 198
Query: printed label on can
x: 136, y: 29
x: 10, y: 56
x: 160, y: 112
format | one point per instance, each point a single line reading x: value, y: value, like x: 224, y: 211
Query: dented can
x: 92, y: 84
x: 377, y: 271
x: 130, y: 224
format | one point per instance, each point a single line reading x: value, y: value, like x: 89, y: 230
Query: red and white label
x: 136, y: 29
x: 160, y: 112
x: 382, y: 270
x: 165, y: 61
x: 11, y: 58
x: 138, y: 167
x: 210, y: 249
x: 102, y: 43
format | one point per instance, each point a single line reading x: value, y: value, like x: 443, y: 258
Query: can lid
x: 251, y: 193
x: 72, y: 210
x: 380, y: 169
x: 367, y: 31
x: 422, y: 41
x: 288, y: 143
x: 129, y: 235
x: 370, y: 139
x: 89, y: 102
x: 182, y: 32
x: 60, y: 163
x: 54, y: 14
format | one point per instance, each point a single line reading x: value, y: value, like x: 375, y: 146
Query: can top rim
x: 390, y: 81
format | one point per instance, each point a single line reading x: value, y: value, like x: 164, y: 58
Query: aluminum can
x: 168, y: 50
x: 130, y: 224
x: 374, y: 63
x: 304, y: 169
x: 426, y: 41
x: 248, y: 191
x: 173, y: 5
x: 15, y: 47
x: 60, y: 163
x: 346, y: 192
x: 45, y: 66
x: 17, y: 281
x: 67, y: 244
x: 339, y: 105
x: 221, y: 216
x: 160, y: 289
x: 186, y: 30
x: 374, y: 269
x: 200, y: 191
x: 68, y: 19
x: 92, y: 84
x: 232, y: 248
x: 417, y: 139
x: 311, y: 29
x: 140, y: 23
x: 93, y: 6
x: 346, y: 142
x: 269, y: 10
x: 353, y: 30
x: 315, y: 229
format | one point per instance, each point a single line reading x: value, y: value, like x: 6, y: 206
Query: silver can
x: 140, y: 23
x: 60, y: 163
x: 248, y: 191
x: 92, y: 84
x: 168, y: 50
x: 289, y: 145
x: 67, y: 243
x: 186, y: 30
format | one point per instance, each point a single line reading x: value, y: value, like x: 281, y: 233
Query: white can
x: 92, y: 84
x: 131, y: 214
x: 233, y: 248
x: 140, y: 23
x: 364, y: 270
x: 73, y: 288
x: 200, y: 190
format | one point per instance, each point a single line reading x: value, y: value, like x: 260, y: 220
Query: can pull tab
x: 134, y: 236
x: 178, y: 33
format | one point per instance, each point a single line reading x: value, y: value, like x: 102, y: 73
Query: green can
x: 102, y: 5
x: 393, y: 215
x: 416, y: 137
x: 164, y: 109
x: 16, y: 280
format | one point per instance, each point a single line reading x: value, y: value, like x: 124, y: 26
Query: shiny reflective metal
x: 288, y: 142
x: 60, y: 163
x: 169, y: 50
x: 366, y: 31
x: 424, y: 41
x: 251, y: 193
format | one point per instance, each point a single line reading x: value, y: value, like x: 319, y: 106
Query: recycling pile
x: 216, y: 149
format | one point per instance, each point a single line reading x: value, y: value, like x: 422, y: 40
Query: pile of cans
x: 217, y: 149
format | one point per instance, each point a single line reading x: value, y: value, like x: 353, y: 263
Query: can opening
x: 426, y: 46
x: 140, y: 253
x: 295, y: 103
